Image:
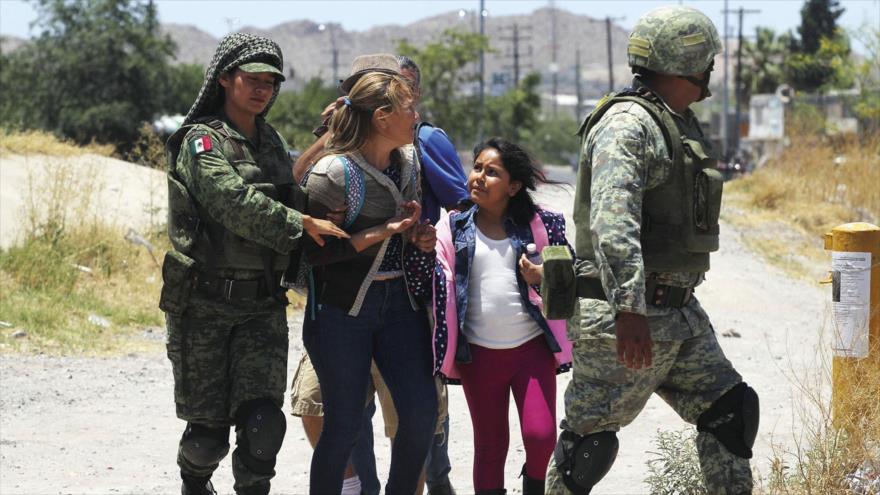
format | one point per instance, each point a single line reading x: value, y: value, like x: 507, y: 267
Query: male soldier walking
x: 232, y: 226
x: 646, y: 211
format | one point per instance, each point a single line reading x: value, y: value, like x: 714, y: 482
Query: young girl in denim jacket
x: 489, y: 331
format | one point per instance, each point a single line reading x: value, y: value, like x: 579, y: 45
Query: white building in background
x: 566, y: 105
x: 167, y: 124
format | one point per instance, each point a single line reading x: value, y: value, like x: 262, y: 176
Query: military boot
x: 196, y: 485
x: 531, y: 486
x: 494, y: 491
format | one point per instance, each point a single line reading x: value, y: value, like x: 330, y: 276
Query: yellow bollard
x: 855, y: 274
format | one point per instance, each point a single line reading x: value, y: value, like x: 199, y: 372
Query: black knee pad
x: 583, y: 461
x: 260, y: 427
x: 733, y: 420
x: 204, y: 446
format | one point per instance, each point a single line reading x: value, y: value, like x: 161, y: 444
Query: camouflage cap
x: 256, y: 67
x: 234, y: 50
x: 376, y: 62
x: 674, y: 40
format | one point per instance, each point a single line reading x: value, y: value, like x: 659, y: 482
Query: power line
x: 554, y: 66
x: 577, y: 85
x: 608, y: 20
x: 725, y: 100
x: 482, y: 15
x: 738, y: 90
x: 516, y: 54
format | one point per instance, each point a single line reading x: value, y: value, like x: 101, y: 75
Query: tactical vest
x: 680, y: 216
x: 193, y: 232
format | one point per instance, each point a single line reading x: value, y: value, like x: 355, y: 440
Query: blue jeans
x: 341, y: 348
x: 437, y: 466
x: 362, y: 456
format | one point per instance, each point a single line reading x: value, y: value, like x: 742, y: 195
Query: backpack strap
x: 355, y: 189
x: 539, y: 232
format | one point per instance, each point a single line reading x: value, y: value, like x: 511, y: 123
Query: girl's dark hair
x: 522, y: 167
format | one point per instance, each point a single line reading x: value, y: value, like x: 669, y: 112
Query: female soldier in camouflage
x: 233, y: 226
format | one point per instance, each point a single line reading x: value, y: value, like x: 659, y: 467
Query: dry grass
x: 784, y: 209
x: 44, y: 143
x: 816, y: 184
x: 76, y: 285
x: 837, y: 449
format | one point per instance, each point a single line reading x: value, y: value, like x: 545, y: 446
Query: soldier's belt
x: 666, y: 296
x: 234, y: 290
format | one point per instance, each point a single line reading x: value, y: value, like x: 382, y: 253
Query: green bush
x: 674, y: 468
x: 296, y: 113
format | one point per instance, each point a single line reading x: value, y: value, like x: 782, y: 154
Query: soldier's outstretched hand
x: 316, y: 228
x: 633, y: 340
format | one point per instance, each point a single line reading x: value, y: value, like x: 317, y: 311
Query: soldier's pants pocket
x: 175, y: 346
x: 177, y: 277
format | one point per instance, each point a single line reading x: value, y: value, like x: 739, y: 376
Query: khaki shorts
x: 305, y: 396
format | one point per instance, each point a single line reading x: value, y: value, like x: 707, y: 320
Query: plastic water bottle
x: 533, y: 255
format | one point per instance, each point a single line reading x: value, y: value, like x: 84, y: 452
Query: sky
x: 219, y: 17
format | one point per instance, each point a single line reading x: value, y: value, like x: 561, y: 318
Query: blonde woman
x: 362, y: 306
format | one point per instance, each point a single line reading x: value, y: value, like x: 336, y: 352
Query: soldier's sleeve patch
x: 200, y: 144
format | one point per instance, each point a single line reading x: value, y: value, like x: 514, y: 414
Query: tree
x: 829, y: 67
x: 443, y: 64
x: 820, y: 58
x: 98, y: 69
x: 867, y: 76
x: 184, y: 83
x: 762, y: 62
x: 296, y: 114
x: 553, y: 140
x: 818, y: 21
x: 515, y: 113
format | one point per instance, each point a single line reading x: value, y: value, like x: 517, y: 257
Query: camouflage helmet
x: 673, y: 40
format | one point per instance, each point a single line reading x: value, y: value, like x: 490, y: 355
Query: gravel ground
x: 107, y: 425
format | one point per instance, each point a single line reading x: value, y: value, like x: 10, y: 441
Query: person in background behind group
x: 489, y: 330
x: 232, y: 226
x: 443, y: 185
x: 362, y: 307
x: 646, y: 209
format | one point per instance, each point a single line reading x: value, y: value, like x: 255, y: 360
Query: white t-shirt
x: 495, y: 316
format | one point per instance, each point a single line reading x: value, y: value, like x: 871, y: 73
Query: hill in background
x: 308, y: 50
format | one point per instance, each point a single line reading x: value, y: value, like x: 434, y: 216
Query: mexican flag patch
x: 200, y: 144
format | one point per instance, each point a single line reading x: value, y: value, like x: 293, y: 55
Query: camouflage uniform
x: 227, y: 334
x: 625, y: 156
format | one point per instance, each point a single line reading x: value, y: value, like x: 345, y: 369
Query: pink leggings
x: 530, y: 372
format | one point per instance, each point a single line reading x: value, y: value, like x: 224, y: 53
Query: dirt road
x: 100, y: 426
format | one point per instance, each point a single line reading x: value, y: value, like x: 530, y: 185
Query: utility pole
x: 725, y: 100
x: 517, y: 54
x: 608, y: 21
x: 334, y: 51
x: 554, y: 66
x: 738, y: 77
x: 577, y: 85
x: 610, y: 62
x: 151, y: 17
x: 482, y: 14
